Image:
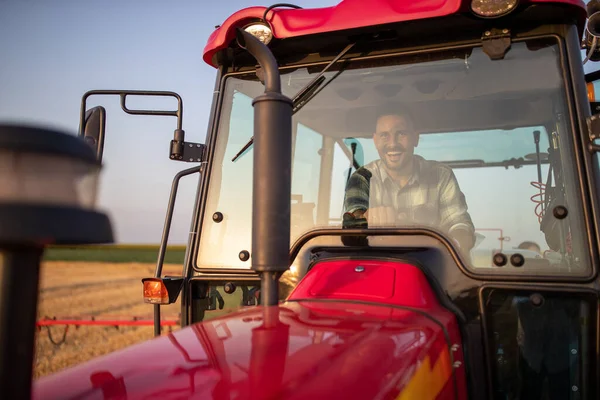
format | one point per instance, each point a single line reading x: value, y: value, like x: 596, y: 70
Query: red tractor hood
x: 306, y: 349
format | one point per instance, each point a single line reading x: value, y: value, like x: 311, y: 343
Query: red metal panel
x: 348, y: 14
x: 376, y: 282
x: 314, y: 350
x: 339, y: 280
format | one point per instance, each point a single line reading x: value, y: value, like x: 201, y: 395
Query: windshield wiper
x: 307, y: 93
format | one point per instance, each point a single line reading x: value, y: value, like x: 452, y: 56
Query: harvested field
x: 82, y: 289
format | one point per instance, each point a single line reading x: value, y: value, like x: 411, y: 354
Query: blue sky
x: 54, y: 51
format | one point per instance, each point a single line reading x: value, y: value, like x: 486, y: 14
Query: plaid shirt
x: 431, y: 197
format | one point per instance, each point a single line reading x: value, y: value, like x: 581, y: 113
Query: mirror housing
x: 94, y: 126
x: 591, y: 40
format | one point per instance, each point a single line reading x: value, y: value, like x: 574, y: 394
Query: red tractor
x: 359, y: 164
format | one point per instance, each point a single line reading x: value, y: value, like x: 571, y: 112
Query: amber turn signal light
x: 591, y: 92
x: 155, y: 292
x: 162, y: 290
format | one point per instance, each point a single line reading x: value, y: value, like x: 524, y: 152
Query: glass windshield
x: 478, y: 150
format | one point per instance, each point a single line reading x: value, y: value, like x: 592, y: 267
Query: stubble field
x: 85, y: 289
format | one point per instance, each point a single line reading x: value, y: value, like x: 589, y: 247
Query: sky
x: 55, y: 51
x: 52, y: 52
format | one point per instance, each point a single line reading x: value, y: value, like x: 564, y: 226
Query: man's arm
x: 356, y: 199
x: 455, y: 218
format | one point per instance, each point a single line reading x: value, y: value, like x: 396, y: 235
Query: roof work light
x: 48, y: 185
x: 493, y: 8
x: 260, y: 31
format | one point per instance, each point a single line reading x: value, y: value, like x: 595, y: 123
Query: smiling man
x: 404, y: 189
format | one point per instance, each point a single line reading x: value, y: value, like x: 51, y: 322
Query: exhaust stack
x: 271, y: 187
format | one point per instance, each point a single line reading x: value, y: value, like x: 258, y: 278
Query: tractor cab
x: 489, y: 114
x: 411, y: 185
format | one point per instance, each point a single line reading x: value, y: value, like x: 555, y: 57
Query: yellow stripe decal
x: 427, y: 383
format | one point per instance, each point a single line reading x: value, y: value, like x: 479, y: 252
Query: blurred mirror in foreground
x: 41, y: 168
x: 48, y: 186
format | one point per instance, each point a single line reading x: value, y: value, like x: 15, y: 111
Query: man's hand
x: 380, y: 216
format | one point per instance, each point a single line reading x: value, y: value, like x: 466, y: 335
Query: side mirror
x: 92, y: 123
x: 94, y: 126
x: 592, y: 33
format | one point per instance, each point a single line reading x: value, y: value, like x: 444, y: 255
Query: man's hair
x: 394, y: 109
x: 527, y: 245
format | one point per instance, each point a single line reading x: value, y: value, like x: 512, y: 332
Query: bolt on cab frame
x: 371, y: 285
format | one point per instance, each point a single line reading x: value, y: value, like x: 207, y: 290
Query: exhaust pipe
x: 272, y: 180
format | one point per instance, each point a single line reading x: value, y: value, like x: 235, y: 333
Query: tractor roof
x: 348, y: 14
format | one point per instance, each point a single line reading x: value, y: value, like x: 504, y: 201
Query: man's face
x: 395, y: 141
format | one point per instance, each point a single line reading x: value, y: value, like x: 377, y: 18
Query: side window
x: 355, y: 152
x: 305, y: 180
x: 230, y: 191
x: 537, y: 343
x: 341, y: 172
x: 485, y: 163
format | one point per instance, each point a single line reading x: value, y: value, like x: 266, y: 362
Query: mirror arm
x: 185, y: 151
x: 179, y: 149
